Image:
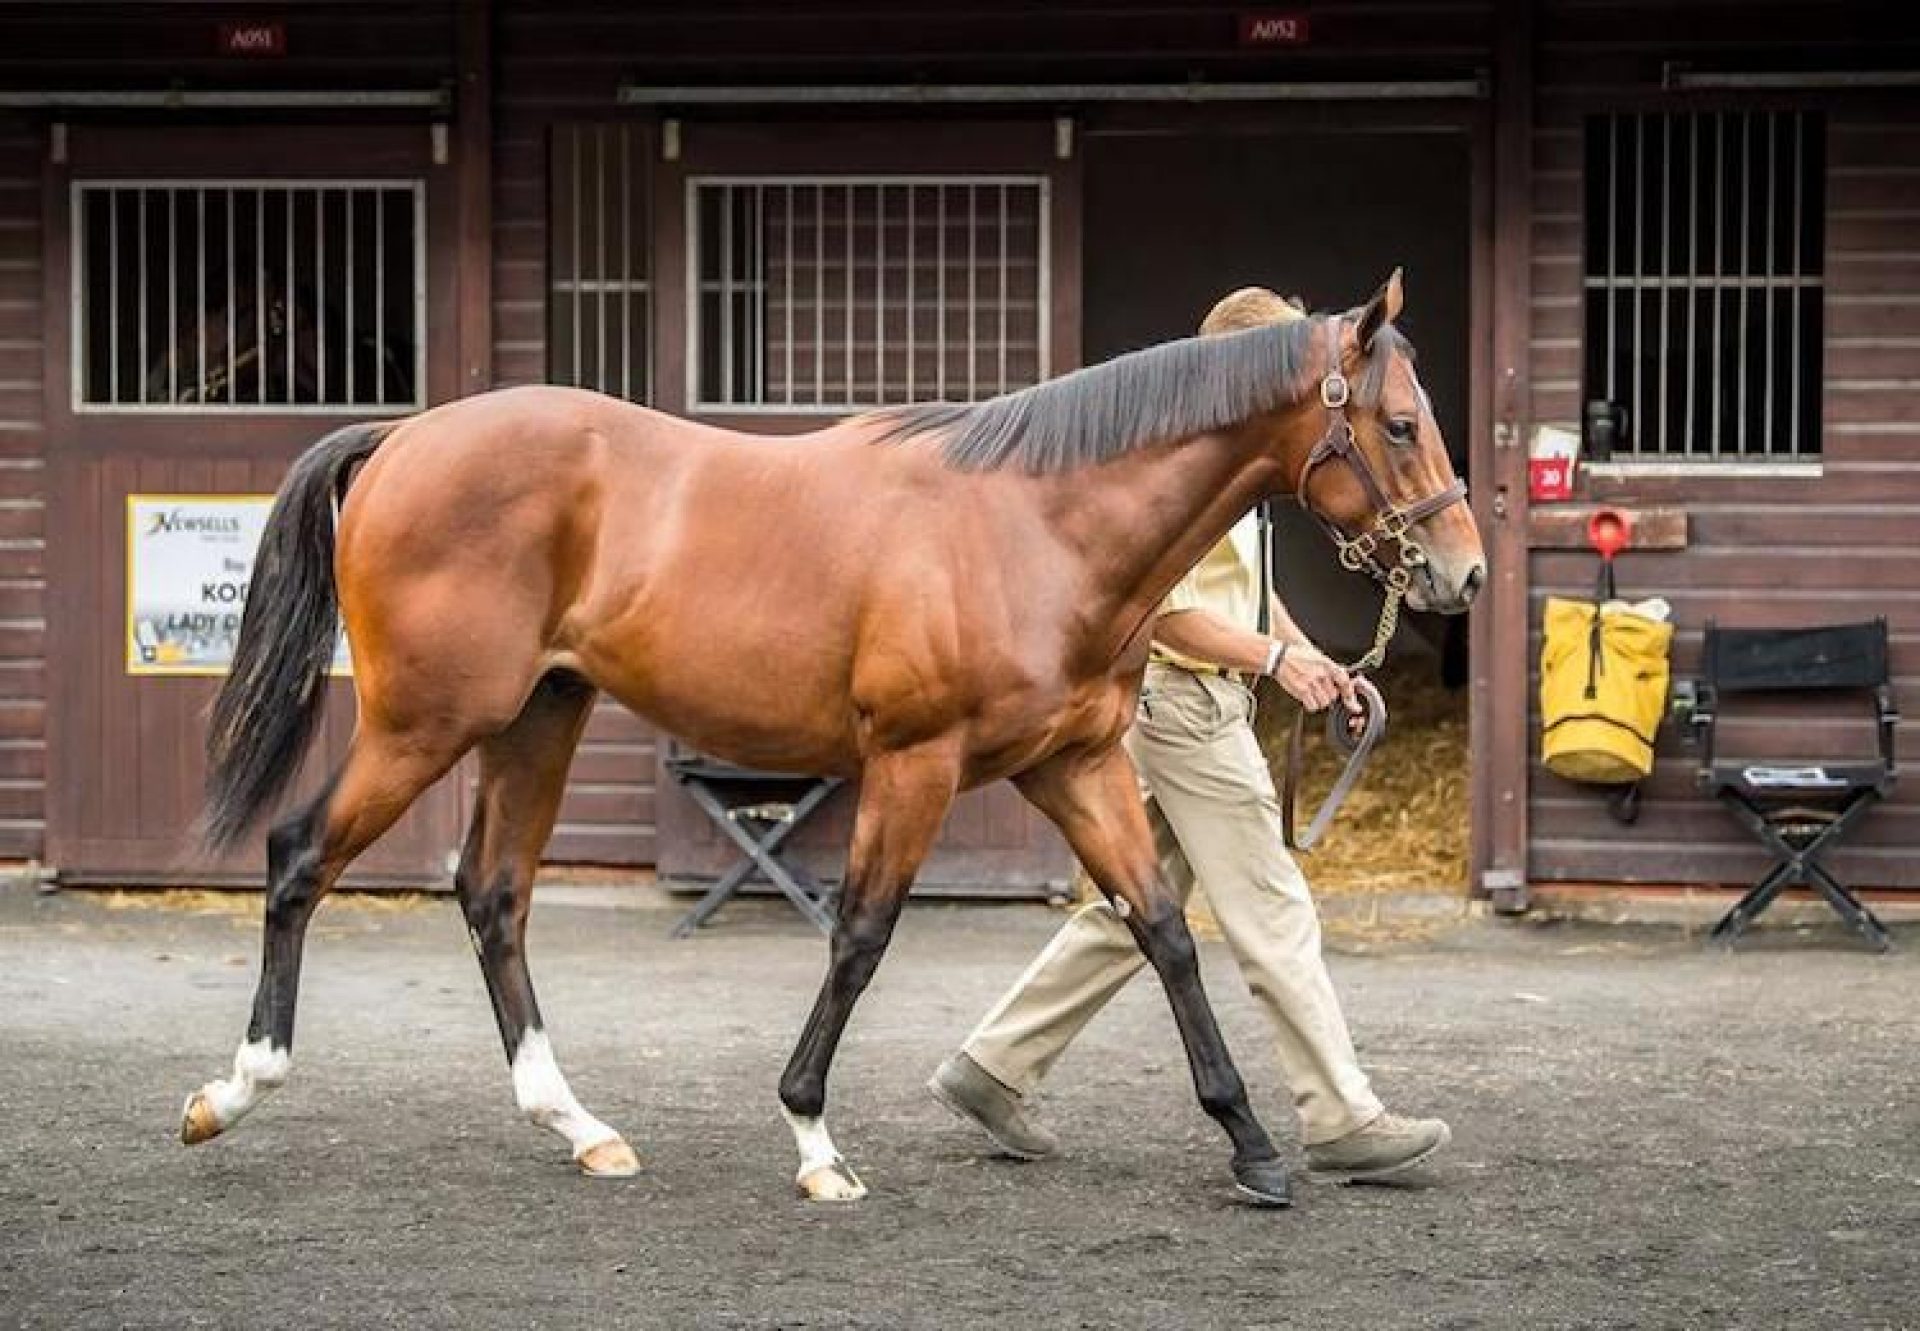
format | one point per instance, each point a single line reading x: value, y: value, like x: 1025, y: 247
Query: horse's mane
x: 1172, y: 391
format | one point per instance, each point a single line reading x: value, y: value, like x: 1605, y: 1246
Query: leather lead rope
x: 1357, y: 749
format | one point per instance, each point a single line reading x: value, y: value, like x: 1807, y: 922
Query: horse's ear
x: 1383, y: 309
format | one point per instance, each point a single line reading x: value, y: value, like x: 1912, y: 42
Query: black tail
x: 269, y: 707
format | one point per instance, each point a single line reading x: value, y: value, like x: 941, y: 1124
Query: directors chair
x: 1796, y: 806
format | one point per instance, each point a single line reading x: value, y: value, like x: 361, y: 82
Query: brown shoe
x: 1385, y: 1146
x: 971, y: 1092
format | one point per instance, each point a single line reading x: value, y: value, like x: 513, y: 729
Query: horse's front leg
x: 1094, y: 798
x: 903, y: 797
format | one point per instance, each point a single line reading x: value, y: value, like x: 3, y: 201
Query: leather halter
x: 1391, y: 522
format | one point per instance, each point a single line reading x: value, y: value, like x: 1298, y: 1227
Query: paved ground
x: 1645, y: 1137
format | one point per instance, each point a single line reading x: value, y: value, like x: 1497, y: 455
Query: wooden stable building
x: 225, y: 228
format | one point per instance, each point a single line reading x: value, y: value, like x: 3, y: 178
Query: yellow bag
x: 1603, y: 689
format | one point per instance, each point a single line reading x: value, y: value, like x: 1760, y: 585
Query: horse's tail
x: 268, y: 709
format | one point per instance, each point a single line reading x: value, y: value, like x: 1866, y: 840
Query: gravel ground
x: 1645, y: 1135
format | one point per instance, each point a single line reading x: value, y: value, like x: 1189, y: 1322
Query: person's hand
x: 1318, y: 681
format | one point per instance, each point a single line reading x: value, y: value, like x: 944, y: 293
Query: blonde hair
x: 1251, y: 307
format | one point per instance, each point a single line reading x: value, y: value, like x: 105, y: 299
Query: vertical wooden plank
x: 1500, y: 646
x: 473, y: 54
x: 1061, y: 263
x: 667, y: 207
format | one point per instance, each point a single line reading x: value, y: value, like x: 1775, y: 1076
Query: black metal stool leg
x: 1851, y: 909
x: 1746, y: 910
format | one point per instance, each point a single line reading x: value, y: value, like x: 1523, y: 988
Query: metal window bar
x: 847, y: 325
x: 753, y: 355
x: 597, y: 262
x: 1794, y: 298
x: 1000, y: 385
x: 818, y: 293
x: 879, y: 289
x: 626, y: 263
x: 1693, y: 268
x: 200, y: 291
x: 972, y: 290
x: 260, y: 296
x: 292, y: 318
x: 786, y: 291
x: 348, y: 241
x: 1737, y: 160
x: 913, y: 310
x: 173, y: 299
x: 600, y: 255
x: 576, y: 379
x: 940, y: 300
x: 320, y: 285
x: 1666, y: 262
x: 141, y: 364
x: 182, y: 280
x: 1746, y: 227
x: 1638, y: 409
x: 1773, y: 265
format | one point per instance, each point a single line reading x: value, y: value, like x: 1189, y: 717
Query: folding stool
x: 737, y: 800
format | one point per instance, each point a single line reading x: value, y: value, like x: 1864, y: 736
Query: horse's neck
x: 1141, y: 521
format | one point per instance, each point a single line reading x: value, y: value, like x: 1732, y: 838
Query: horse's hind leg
x: 383, y: 774
x: 903, y: 797
x: 523, y: 772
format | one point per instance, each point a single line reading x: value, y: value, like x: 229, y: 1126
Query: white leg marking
x: 544, y: 1097
x: 257, y: 1069
x: 815, y: 1142
x: 823, y: 1175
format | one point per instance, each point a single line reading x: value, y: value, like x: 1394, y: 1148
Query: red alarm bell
x: 1609, y: 531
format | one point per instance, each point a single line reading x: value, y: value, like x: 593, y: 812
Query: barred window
x: 1704, y: 280
x: 599, y: 239
x: 840, y: 293
x: 249, y: 295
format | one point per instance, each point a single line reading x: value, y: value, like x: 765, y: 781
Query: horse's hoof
x: 199, y: 1123
x: 1263, y: 1183
x: 831, y: 1183
x: 612, y: 1158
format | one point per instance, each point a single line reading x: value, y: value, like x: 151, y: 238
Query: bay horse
x: 923, y: 598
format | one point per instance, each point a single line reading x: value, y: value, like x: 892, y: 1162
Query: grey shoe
x: 970, y: 1091
x: 1386, y: 1146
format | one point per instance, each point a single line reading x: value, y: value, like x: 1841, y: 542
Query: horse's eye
x: 1402, y: 429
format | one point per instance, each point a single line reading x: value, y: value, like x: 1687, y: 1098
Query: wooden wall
x: 104, y: 46
x: 1763, y: 549
x: 23, y: 592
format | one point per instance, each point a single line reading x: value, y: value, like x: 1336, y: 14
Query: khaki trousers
x: 1216, y: 820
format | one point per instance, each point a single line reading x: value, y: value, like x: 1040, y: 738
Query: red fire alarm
x: 1609, y: 531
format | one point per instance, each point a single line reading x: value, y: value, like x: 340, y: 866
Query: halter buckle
x: 1334, y: 391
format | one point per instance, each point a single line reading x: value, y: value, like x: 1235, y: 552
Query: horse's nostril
x: 1475, y: 577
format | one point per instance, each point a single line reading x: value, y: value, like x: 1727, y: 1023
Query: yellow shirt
x: 1225, y: 581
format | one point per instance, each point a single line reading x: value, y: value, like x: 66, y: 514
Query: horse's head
x: 1364, y: 454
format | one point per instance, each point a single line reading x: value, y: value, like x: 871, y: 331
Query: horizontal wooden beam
x: 933, y: 94
x: 1564, y: 527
